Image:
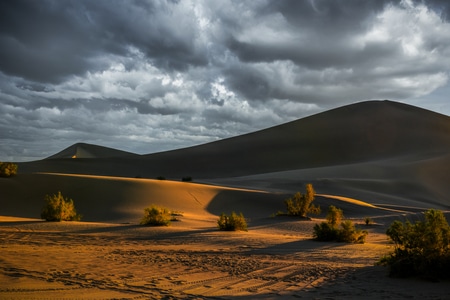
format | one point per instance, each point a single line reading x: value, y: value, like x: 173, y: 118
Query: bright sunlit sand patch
x: 347, y: 199
x: 165, y: 182
x: 17, y: 219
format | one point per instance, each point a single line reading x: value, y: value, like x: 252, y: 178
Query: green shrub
x: 334, y: 216
x: 7, y: 169
x: 349, y: 234
x: 330, y: 231
x: 156, y: 216
x: 233, y: 222
x: 421, y: 249
x: 325, y: 232
x: 301, y: 205
x: 57, y: 208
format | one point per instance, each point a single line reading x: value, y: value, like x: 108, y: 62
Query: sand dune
x: 377, y: 159
x: 83, y: 150
x: 121, y: 199
x: 367, y: 131
x: 376, y: 151
x: 380, y: 152
x: 383, y: 153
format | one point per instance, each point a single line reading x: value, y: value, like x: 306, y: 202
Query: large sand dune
x: 377, y: 159
x: 381, y: 152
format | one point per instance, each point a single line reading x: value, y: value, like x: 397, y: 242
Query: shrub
x: 349, y: 234
x: 301, y: 205
x: 330, y: 231
x: 186, y: 179
x: 334, y: 216
x: 325, y: 232
x: 57, y: 208
x: 368, y: 221
x: 233, y: 222
x: 156, y: 216
x: 421, y: 249
x: 8, y: 169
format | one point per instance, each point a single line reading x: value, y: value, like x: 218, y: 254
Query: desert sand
x: 382, y: 160
x: 191, y: 259
x: 273, y: 260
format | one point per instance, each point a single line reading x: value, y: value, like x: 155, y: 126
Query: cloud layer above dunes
x: 146, y: 76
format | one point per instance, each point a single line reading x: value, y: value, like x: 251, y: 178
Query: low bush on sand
x: 368, y: 221
x: 156, y: 216
x: 57, y: 208
x: 7, y: 169
x: 334, y: 229
x: 233, y: 222
x: 301, y: 204
x: 421, y: 249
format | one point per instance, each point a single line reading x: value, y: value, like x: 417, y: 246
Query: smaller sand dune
x: 116, y: 199
x: 122, y: 199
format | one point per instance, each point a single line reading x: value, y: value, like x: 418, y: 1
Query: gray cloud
x: 148, y: 76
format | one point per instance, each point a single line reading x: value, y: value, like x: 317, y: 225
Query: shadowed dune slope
x: 356, y: 133
x: 367, y: 131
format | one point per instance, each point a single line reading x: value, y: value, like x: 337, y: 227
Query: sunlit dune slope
x: 101, y: 198
x: 119, y: 199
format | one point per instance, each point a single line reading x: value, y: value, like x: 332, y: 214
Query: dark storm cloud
x: 148, y: 76
x: 47, y: 41
x: 318, y: 35
x: 42, y: 40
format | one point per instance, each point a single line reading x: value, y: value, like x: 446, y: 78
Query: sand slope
x: 121, y: 199
x: 114, y: 199
x: 367, y: 131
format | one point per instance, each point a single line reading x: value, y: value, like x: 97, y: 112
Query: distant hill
x: 83, y: 150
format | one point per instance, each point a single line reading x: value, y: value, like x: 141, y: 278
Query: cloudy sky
x: 147, y: 76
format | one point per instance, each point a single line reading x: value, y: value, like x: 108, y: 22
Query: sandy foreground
x: 191, y: 259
